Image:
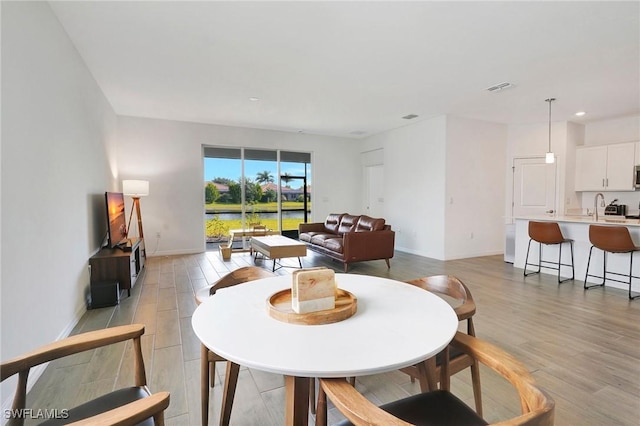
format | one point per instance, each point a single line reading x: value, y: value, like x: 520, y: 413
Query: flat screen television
x: 116, y: 221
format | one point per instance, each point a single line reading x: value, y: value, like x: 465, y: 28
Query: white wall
x: 169, y: 155
x: 616, y: 130
x: 575, y: 137
x: 414, y: 170
x: 475, y: 188
x: 430, y: 163
x: 57, y: 139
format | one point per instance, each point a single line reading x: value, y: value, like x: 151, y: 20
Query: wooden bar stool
x: 548, y: 233
x: 611, y: 239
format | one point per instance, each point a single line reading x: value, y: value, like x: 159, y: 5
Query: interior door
x: 534, y: 187
x: 374, y: 202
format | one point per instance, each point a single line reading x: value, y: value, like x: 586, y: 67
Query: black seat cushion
x: 438, y: 408
x: 101, y: 404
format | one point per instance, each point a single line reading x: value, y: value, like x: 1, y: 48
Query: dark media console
x: 123, y: 264
x: 127, y: 244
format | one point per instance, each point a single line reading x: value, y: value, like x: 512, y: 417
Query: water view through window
x: 247, y: 187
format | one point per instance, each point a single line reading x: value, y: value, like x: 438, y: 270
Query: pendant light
x: 550, y: 158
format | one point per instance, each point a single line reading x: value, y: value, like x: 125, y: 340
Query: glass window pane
x: 260, y: 171
x: 223, y: 209
x: 295, y: 187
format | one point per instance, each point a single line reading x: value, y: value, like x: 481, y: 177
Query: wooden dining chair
x: 127, y: 406
x: 441, y: 407
x: 465, y: 308
x: 209, y: 358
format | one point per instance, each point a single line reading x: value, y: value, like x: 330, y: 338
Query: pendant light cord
x: 550, y: 100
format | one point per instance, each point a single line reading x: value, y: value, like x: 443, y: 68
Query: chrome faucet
x: 595, y: 204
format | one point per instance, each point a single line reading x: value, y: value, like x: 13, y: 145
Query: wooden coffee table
x: 278, y: 247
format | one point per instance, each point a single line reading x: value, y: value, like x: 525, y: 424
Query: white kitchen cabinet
x: 606, y: 167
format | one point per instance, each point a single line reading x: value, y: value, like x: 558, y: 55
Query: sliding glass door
x: 244, y: 187
x: 295, y: 173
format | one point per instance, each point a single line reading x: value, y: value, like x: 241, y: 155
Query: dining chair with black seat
x: 441, y: 407
x: 615, y: 240
x: 548, y: 233
x: 127, y: 406
x: 465, y: 308
x: 209, y: 358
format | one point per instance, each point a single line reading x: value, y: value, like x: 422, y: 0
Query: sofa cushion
x: 332, y: 222
x: 335, y: 245
x: 348, y: 223
x: 366, y: 223
x: 320, y: 239
x: 307, y: 236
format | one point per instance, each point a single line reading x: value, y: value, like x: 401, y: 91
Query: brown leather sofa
x: 348, y: 238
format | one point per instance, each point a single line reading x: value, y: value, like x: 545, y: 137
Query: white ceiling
x: 341, y: 68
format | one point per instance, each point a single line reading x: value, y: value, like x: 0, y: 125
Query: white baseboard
x: 450, y: 257
x: 173, y: 252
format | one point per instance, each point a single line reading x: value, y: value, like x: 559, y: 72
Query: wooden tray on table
x: 279, y: 306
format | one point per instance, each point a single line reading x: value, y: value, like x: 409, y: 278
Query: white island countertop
x: 602, y: 219
x: 577, y: 229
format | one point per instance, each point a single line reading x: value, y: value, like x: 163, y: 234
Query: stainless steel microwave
x: 637, y: 177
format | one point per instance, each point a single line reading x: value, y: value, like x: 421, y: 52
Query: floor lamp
x: 135, y: 189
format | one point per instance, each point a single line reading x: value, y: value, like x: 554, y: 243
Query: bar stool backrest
x: 545, y: 232
x: 614, y: 239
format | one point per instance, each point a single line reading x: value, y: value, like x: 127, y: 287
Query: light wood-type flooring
x: 582, y: 347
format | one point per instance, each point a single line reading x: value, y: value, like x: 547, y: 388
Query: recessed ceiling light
x: 254, y: 99
x: 580, y: 113
x: 410, y: 116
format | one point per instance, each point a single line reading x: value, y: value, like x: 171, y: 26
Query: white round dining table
x: 396, y: 325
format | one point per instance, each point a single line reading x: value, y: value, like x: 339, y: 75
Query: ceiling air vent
x: 500, y: 86
x: 410, y: 117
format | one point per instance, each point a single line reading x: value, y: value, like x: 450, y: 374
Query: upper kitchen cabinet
x: 606, y: 168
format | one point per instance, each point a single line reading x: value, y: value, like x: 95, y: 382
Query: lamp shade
x: 135, y: 188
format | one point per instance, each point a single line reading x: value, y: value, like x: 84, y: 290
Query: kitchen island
x: 577, y: 229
